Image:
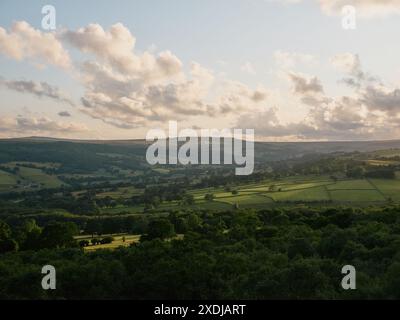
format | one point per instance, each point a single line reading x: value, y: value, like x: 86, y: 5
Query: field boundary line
x: 328, y: 193
x: 376, y: 188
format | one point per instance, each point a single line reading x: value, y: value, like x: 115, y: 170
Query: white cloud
x: 25, y: 42
x: 371, y: 112
x: 128, y: 103
x: 115, y: 48
x: 127, y: 89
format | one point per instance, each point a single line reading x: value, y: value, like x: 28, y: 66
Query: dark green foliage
x: 381, y: 173
x: 270, y: 254
x: 209, y: 197
x: 5, y: 230
x: 83, y: 243
x: 58, y: 235
x: 107, y: 240
x: 159, y: 228
x: 8, y: 245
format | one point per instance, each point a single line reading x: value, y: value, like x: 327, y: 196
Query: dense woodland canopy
x: 288, y: 254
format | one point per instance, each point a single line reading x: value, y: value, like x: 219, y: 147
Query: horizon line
x: 144, y: 139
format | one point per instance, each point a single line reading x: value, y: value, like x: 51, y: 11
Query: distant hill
x: 66, y: 150
x: 286, y: 150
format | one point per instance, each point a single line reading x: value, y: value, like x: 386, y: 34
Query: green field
x: 311, y: 189
x: 361, y: 184
x: 356, y: 196
x: 125, y: 192
x: 298, y: 188
x: 315, y: 189
x: 28, y: 178
x: 307, y: 195
x: 244, y: 200
x: 122, y: 210
x: 390, y: 188
x: 118, y: 242
x: 38, y: 176
x: 7, y: 181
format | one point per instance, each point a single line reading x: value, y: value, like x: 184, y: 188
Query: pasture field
x: 357, y: 196
x: 305, y: 185
x: 382, y: 162
x: 297, y: 188
x: 316, y: 193
x: 7, y: 181
x: 311, y: 189
x: 357, y: 184
x: 118, y: 210
x: 118, y: 242
x: 125, y: 192
x: 247, y: 199
x: 27, y: 178
x: 199, y: 204
x: 39, y: 177
x: 390, y: 188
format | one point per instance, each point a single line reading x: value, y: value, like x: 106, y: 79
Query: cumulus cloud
x: 381, y: 98
x: 24, y: 42
x: 338, y: 120
x: 33, y: 125
x: 304, y: 85
x: 116, y: 47
x: 350, y: 64
x: 128, y: 103
x: 267, y: 125
x: 371, y: 92
x: 237, y: 97
x: 39, y: 89
x: 128, y: 89
x: 308, y: 88
x: 372, y: 111
x: 123, y: 87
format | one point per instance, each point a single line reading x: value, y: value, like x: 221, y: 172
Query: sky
x: 289, y: 69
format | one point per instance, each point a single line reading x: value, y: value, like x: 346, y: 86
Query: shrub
x: 107, y: 240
